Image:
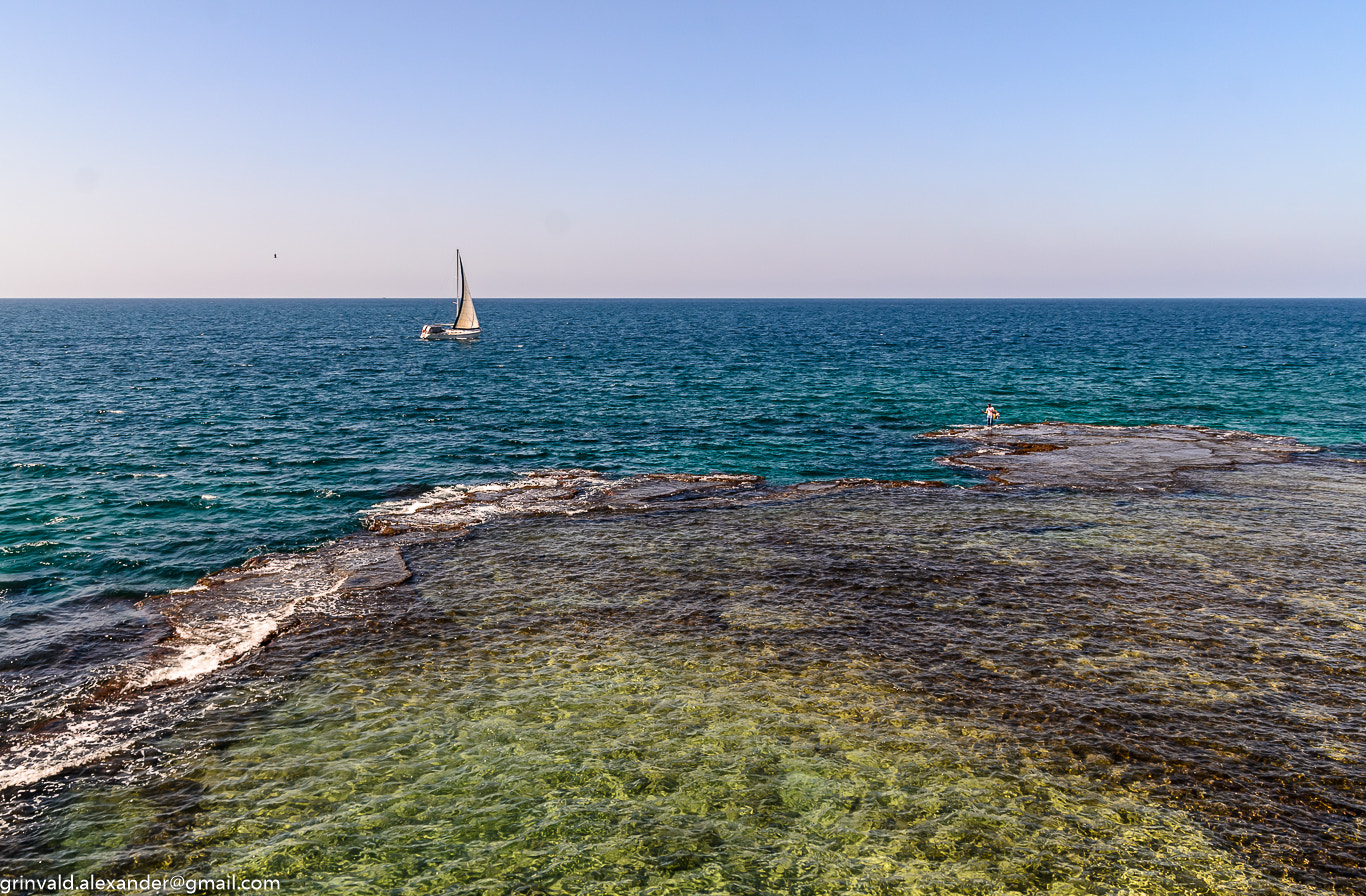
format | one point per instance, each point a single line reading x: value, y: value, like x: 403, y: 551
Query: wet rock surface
x: 1071, y: 455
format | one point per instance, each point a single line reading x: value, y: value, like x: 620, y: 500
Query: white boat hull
x: 449, y: 331
x: 466, y: 325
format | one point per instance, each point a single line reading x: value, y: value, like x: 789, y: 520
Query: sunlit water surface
x: 875, y: 688
x: 883, y: 690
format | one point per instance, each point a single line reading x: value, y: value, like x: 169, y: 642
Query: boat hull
x: 449, y: 331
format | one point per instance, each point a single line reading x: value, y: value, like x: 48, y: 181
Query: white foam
x: 199, y: 657
x: 461, y: 506
x: 231, y: 613
x: 223, y: 631
x: 25, y: 775
x: 82, y: 742
x: 19, y: 548
x: 241, y: 610
x: 436, y: 496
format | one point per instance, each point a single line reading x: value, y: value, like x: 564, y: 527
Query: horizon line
x: 628, y: 298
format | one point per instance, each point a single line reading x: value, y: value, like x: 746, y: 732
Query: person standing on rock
x: 992, y: 416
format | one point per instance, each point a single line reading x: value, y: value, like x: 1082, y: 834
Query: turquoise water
x: 148, y: 442
x: 906, y: 701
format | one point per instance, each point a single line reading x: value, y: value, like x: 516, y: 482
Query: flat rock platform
x: 1061, y: 455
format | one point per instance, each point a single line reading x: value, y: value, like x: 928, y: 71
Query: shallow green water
x: 909, y: 689
x: 582, y: 766
x: 881, y: 691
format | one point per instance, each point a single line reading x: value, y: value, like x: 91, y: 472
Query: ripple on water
x: 563, y: 760
x: 888, y: 690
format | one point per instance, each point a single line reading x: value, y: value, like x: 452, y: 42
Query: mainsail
x: 466, y: 318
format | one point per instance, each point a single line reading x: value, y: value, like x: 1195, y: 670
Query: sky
x: 207, y: 148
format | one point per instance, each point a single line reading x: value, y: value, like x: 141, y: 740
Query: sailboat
x: 466, y: 325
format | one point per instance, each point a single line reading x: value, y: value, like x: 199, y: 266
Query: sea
x: 682, y: 596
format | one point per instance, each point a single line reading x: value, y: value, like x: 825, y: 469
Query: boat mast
x: 466, y: 319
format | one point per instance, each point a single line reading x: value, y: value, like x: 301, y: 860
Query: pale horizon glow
x: 988, y: 148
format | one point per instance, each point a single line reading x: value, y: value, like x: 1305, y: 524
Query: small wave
x: 568, y: 492
x: 37, y: 758
x: 229, y: 614
x: 21, y: 548
x: 218, y: 621
x: 203, y: 650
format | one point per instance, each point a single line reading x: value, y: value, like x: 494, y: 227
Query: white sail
x: 466, y: 325
x: 466, y: 319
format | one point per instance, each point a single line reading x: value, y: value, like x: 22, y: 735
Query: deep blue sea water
x: 148, y: 443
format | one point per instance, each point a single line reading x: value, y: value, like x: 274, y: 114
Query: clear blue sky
x: 962, y: 148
